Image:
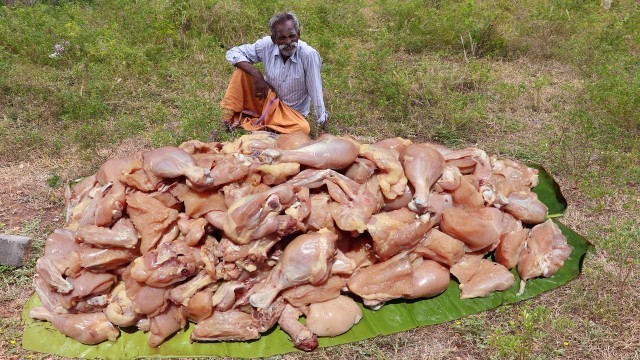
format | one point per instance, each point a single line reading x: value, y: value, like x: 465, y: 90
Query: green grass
x: 550, y: 81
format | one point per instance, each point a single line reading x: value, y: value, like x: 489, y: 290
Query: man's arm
x: 260, y: 85
x: 244, y: 56
x: 312, y: 65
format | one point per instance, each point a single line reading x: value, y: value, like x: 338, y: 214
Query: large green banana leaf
x: 393, y: 317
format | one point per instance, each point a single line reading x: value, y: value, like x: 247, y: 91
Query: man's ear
x: 273, y: 39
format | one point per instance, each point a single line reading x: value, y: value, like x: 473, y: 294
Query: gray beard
x: 288, y: 50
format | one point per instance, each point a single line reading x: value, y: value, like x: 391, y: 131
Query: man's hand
x: 260, y: 87
x: 322, y: 121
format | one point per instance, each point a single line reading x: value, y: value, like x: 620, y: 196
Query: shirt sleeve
x: 252, y: 53
x: 312, y: 65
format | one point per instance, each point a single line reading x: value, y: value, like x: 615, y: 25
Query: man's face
x: 286, y: 38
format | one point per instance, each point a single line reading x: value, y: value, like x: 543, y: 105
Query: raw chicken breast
x: 333, y: 317
x: 478, y: 277
x: 90, y: 329
x: 545, y: 251
x: 477, y: 228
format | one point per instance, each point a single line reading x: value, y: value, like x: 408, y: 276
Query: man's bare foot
x: 230, y: 125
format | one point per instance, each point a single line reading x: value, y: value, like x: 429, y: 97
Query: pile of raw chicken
x: 239, y: 236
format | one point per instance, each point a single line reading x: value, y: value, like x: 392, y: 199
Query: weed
x: 54, y: 180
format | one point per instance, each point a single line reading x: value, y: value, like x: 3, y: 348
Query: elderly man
x: 280, y: 99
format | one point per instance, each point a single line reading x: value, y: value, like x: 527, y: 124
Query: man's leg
x: 239, y: 100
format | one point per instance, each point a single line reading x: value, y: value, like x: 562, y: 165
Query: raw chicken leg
x: 327, y: 152
x: 171, y: 162
x: 301, y: 336
x: 423, y: 166
x: 307, y: 259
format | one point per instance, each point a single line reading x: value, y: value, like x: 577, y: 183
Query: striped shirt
x: 297, y: 81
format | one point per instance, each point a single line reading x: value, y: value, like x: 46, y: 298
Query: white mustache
x: 288, y: 47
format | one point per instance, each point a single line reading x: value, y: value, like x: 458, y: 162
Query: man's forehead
x: 285, y: 27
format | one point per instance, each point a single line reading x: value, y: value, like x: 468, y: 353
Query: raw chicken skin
x: 196, y: 204
x: 473, y: 158
x: 90, y: 329
x: 120, y: 310
x: 88, y: 284
x: 250, y: 143
x: 333, y: 317
x: 96, y: 259
x: 168, y: 264
x: 200, y: 306
x: 467, y: 194
x: 361, y: 170
x: 122, y: 234
x: 360, y: 203
x: 274, y: 174
x: 396, y: 144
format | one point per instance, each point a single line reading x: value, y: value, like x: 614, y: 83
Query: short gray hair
x: 283, y: 17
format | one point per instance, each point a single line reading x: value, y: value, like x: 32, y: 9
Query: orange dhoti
x: 241, y: 107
